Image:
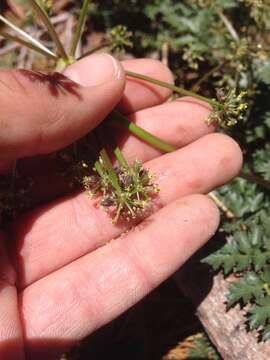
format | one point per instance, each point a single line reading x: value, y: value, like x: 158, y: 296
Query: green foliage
x: 194, y: 30
x: 248, y: 202
x: 202, y: 349
x: 252, y: 286
x: 259, y: 314
x: 260, y: 12
x: 261, y: 164
x: 247, y: 253
x: 263, y: 73
x: 248, y: 249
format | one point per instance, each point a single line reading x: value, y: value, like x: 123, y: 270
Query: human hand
x: 59, y: 281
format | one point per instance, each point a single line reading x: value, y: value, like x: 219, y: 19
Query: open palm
x: 66, y: 270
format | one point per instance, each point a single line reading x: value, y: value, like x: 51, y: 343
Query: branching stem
x: 174, y: 88
x: 26, y: 36
x: 120, y: 157
x: 28, y: 45
x: 94, y: 49
x: 141, y: 133
x: 79, y: 29
x: 41, y: 13
x: 109, y: 167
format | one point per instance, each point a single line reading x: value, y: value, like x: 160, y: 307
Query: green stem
x: 79, y: 29
x: 120, y: 157
x: 99, y: 170
x: 25, y: 35
x: 29, y: 45
x: 140, y: 133
x: 174, y: 88
x: 41, y: 13
x: 109, y: 167
x: 94, y: 49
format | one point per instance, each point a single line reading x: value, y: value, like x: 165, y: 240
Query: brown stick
x: 226, y: 329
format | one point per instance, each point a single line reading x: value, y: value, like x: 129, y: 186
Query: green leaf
x: 264, y: 74
x: 266, y: 333
x: 259, y: 314
x: 248, y: 288
x: 248, y: 249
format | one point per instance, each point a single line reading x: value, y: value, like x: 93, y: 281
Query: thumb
x: 41, y: 113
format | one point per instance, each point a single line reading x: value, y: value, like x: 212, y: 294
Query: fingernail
x: 95, y: 70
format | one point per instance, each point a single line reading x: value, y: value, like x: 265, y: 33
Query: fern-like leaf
x: 246, y: 289
x: 266, y: 333
x: 259, y: 314
x: 248, y: 249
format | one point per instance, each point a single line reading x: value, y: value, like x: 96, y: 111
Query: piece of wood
x: 226, y: 329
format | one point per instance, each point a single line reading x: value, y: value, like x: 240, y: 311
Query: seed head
x: 126, y: 190
x: 120, y: 38
x: 230, y: 108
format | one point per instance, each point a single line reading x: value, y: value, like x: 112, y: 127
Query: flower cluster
x: 120, y: 38
x: 126, y: 190
x: 230, y: 108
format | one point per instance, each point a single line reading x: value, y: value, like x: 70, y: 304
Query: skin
x: 65, y: 269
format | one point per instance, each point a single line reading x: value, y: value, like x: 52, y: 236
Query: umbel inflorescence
x: 125, y: 190
x: 230, y: 109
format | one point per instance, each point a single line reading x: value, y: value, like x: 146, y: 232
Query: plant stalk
x: 26, y: 36
x: 164, y: 84
x: 29, y: 45
x: 228, y: 213
x: 108, y: 165
x: 94, y: 49
x: 41, y: 13
x: 174, y: 88
x: 120, y: 157
x: 79, y: 29
x: 140, y: 133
